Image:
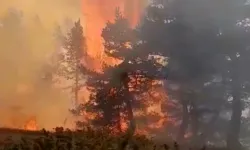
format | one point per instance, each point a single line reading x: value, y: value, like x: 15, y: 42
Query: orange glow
x: 31, y: 124
x: 96, y: 13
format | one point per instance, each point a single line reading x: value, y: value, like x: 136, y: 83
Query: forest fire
x: 96, y: 13
x: 96, y: 73
x: 31, y: 124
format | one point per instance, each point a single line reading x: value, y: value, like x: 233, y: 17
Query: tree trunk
x: 235, y: 122
x: 76, y: 84
x: 125, y: 81
x: 194, y: 115
x: 127, y: 99
x: 209, y: 129
x: 184, y: 123
x: 119, y: 121
x: 132, y: 125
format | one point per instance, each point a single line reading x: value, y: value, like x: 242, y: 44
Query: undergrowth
x: 87, y: 139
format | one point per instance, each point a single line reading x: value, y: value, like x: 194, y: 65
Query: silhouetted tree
x: 191, y: 46
x: 70, y: 63
x: 105, y: 87
x: 199, y: 53
x: 115, y: 90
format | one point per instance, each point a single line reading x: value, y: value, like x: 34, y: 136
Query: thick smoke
x: 23, y: 53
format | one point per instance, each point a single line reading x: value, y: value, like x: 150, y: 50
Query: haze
x: 22, y: 61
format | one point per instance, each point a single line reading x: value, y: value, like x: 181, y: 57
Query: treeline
x: 204, y: 46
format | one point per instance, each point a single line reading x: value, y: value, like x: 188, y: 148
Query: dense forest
x: 189, y: 56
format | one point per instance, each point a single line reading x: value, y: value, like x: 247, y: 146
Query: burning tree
x: 106, y: 96
x: 117, y: 92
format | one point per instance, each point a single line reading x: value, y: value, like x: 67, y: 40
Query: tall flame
x: 96, y: 13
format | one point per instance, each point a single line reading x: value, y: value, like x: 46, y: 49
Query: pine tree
x: 70, y: 64
x: 204, y: 48
x: 114, y: 92
x: 178, y: 35
x: 236, y: 77
x: 105, y: 88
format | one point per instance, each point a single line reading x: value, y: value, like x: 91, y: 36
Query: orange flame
x: 31, y: 124
x: 96, y: 14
